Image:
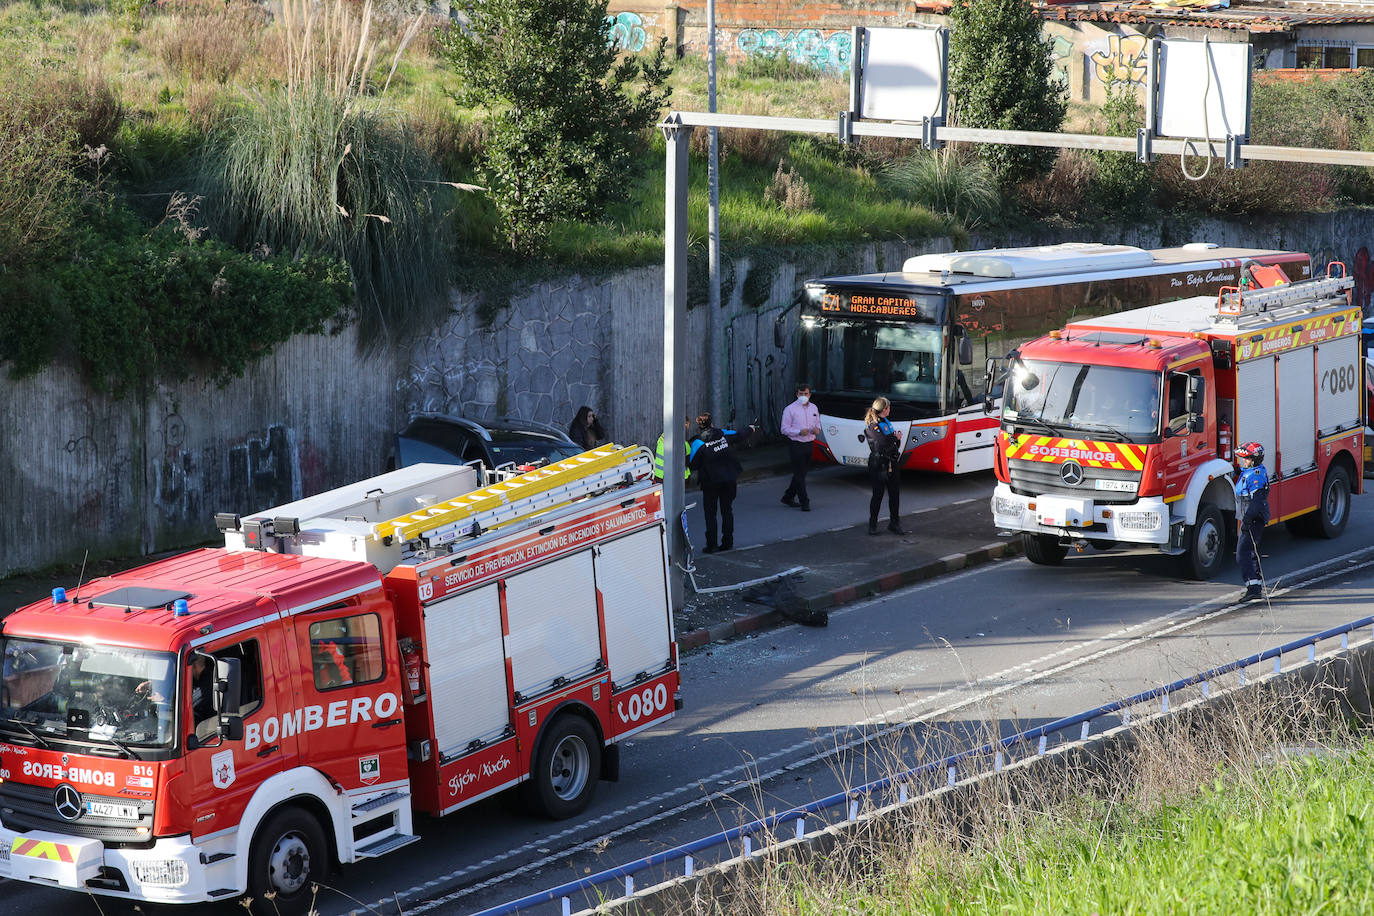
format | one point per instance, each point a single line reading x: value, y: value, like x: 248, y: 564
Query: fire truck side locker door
x: 1338, y: 384
x: 1297, y: 419
x: 630, y: 574
x: 1255, y: 410
x: 467, y: 669
x: 554, y: 631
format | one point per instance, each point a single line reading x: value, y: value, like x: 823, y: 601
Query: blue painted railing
x: 851, y: 797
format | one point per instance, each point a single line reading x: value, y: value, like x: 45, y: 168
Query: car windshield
x: 527, y: 448
x: 1070, y: 397
x: 91, y: 693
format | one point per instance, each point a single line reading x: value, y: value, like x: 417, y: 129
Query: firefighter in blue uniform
x: 1252, y: 514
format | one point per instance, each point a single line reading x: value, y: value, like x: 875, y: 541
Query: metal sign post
x: 674, y: 347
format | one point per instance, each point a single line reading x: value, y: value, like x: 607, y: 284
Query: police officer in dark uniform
x: 717, y: 469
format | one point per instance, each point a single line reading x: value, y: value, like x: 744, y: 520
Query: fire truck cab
x: 1119, y: 429
x: 234, y: 720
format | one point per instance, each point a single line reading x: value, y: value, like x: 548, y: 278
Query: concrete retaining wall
x: 83, y: 472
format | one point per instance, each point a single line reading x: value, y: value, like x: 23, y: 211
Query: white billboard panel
x: 902, y: 73
x: 1204, y: 89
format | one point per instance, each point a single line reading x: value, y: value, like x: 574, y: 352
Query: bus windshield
x: 1067, y: 398
x: 88, y: 692
x: 864, y: 360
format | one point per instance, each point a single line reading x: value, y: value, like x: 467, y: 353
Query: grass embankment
x: 1263, y: 806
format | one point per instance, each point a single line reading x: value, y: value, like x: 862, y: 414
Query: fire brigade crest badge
x: 222, y: 769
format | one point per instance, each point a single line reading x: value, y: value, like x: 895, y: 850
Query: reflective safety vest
x: 658, y: 460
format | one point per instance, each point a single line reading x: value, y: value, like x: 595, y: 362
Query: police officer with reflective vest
x: 718, y: 470
x: 1252, y: 514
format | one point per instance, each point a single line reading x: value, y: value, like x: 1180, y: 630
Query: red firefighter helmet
x: 1251, y: 450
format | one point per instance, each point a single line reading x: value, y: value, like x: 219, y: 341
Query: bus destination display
x: 870, y: 304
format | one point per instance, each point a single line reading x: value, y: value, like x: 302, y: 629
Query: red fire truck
x: 234, y: 720
x: 1119, y: 429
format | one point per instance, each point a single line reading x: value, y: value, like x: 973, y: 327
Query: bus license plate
x: 106, y: 809
x: 1123, y: 486
x: 855, y: 459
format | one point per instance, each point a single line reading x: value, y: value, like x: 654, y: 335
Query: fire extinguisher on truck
x: 236, y: 720
x: 1119, y: 429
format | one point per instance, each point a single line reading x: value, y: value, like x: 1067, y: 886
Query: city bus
x: 912, y: 336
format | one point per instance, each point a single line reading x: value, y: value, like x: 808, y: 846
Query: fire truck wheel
x: 1329, y: 521
x: 1043, y: 549
x: 287, y: 858
x: 1206, y: 544
x: 565, y: 769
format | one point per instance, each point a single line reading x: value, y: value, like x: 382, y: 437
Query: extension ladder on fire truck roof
x: 1236, y: 305
x: 520, y: 497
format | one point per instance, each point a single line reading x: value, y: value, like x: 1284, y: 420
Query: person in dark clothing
x: 717, y: 468
x: 586, y: 429
x: 202, y: 688
x: 1252, y: 514
x: 884, y: 456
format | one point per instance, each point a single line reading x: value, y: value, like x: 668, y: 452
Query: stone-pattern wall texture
x: 82, y: 472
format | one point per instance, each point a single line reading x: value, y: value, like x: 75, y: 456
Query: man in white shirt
x: 801, y: 423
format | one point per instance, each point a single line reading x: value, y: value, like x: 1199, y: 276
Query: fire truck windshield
x: 124, y: 697
x: 1071, y: 398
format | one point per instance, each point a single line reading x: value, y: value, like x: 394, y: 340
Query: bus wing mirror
x: 965, y: 350
x: 777, y: 333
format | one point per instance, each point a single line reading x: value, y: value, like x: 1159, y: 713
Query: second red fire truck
x: 232, y: 721
x: 1118, y: 430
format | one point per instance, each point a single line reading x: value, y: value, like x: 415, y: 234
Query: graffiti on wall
x: 812, y: 47
x: 1360, y: 266
x: 1061, y: 49
x: 628, y: 32
x: 1121, y: 61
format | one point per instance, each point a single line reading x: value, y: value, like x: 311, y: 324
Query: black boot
x: 727, y: 543
x: 895, y: 527
x: 711, y: 548
x: 872, y: 526
x: 1253, y: 592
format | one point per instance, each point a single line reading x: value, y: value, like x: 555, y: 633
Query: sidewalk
x: 841, y: 565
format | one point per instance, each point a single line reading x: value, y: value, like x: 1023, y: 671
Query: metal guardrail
x: 850, y: 799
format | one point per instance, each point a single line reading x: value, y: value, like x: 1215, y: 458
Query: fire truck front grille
x: 1036, y: 478
x: 31, y: 808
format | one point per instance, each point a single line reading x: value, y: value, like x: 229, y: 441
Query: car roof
x: 504, y: 424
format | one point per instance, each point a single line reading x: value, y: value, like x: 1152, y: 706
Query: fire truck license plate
x: 1125, y: 486
x: 107, y: 809
x: 855, y: 459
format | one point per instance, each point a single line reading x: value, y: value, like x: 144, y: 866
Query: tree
x: 1002, y: 77
x: 564, y: 115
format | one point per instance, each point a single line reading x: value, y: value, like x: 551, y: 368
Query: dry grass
x: 211, y: 42
x: 951, y: 840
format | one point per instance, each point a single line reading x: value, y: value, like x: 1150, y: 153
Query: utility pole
x: 715, y: 329
x: 674, y: 349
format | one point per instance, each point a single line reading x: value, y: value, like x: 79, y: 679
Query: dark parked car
x: 441, y: 439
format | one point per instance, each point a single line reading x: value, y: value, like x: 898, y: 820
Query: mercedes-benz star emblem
x: 1071, y: 472
x: 67, y: 801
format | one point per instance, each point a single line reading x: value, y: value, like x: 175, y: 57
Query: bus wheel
x: 1206, y: 544
x: 566, y: 767
x: 1330, y: 518
x: 1043, y: 549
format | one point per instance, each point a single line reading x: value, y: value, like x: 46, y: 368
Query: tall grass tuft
x: 317, y: 166
x: 313, y: 172
x: 946, y: 182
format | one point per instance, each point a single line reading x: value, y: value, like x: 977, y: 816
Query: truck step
x: 382, y: 847
x: 221, y: 892
x: 218, y: 857
x: 379, y: 802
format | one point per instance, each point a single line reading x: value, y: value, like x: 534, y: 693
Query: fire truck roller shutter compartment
x: 1255, y: 408
x: 1338, y: 373
x: 1297, y: 425
x: 553, y: 625
x: 467, y: 669
x: 629, y: 575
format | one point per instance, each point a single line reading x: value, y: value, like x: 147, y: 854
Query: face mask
x: 803, y: 398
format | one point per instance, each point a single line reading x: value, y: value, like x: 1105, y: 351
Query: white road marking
x: 1168, y: 623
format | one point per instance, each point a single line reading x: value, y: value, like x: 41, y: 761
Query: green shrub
x: 1122, y: 185
x: 317, y: 173
x: 944, y: 181
x: 131, y: 306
